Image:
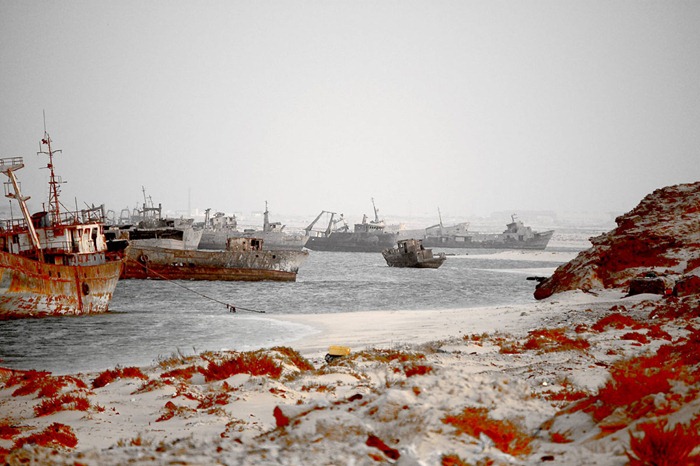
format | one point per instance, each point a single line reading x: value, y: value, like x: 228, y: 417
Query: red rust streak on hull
x: 34, y: 289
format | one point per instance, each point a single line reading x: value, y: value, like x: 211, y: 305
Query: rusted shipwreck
x: 243, y: 260
x: 411, y: 253
x: 54, y: 263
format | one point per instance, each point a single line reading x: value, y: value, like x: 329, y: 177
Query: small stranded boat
x: 411, y: 253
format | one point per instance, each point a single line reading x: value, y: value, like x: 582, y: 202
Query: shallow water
x: 151, y: 319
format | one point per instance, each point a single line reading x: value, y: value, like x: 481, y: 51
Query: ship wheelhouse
x: 67, y: 243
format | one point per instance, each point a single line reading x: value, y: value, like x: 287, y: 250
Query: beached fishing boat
x: 243, y: 260
x: 54, y: 263
x: 411, y: 253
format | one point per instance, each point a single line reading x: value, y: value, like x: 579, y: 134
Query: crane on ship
x: 332, y: 223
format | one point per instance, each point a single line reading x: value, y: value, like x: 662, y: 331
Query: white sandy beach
x: 382, y: 329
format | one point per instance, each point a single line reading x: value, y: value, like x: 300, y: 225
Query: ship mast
x: 54, y: 181
x: 266, y: 219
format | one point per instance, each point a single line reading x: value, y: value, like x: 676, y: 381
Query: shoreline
x: 364, y: 329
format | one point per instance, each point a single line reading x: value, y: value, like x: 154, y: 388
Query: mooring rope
x: 230, y: 307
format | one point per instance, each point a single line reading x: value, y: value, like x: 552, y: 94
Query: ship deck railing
x: 11, y: 163
x: 65, y: 219
x: 13, y: 226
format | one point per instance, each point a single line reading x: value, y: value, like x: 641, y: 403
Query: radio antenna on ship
x: 54, y: 181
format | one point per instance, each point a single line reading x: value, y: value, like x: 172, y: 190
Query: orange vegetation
x: 40, y: 381
x: 656, y: 332
x: 560, y: 438
x: 581, y: 328
x: 635, y: 336
x: 634, y: 381
x: 212, y: 399
x: 675, y: 308
x: 417, y: 369
x: 555, y: 339
x: 567, y: 394
x: 631, y: 381
x: 375, y: 442
x: 171, y: 410
x: 616, y: 320
x: 55, y: 435
x: 452, y: 460
x: 253, y: 363
x: 280, y: 418
x: 8, y: 431
x: 109, y: 376
x: 318, y: 388
x: 505, y: 435
x: 476, y: 337
x: 67, y: 401
x: 389, y: 355
x: 184, y: 373
x: 661, y: 446
x: 297, y: 359
x: 151, y: 385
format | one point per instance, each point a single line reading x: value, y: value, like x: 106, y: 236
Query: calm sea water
x: 152, y: 319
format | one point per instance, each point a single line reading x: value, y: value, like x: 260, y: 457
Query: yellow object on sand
x: 335, y: 350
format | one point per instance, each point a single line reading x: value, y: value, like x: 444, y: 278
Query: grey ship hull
x: 486, y: 241
x: 352, y: 242
x: 272, y: 241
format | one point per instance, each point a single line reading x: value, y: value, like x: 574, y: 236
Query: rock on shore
x: 660, y: 238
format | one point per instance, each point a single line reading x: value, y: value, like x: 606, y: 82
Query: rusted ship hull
x: 411, y: 253
x: 29, y: 288
x: 416, y: 262
x: 274, y: 241
x: 172, y: 264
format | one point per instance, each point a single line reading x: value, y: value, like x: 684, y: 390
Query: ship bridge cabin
x: 68, y: 242
x: 376, y: 226
x: 368, y: 228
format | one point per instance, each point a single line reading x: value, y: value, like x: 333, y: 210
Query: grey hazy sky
x: 472, y: 106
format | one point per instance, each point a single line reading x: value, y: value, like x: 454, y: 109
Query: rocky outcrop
x: 659, y: 237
